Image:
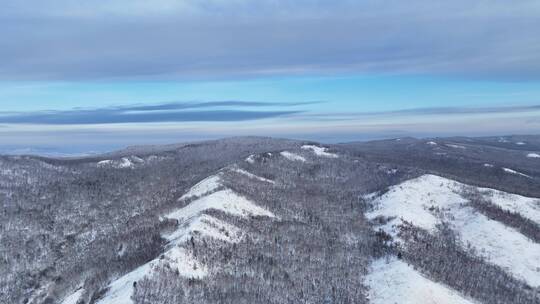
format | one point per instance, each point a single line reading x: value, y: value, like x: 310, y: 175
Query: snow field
x: 426, y: 200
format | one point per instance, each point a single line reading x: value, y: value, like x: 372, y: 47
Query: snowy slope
x: 426, y: 200
x: 413, y: 199
x: 393, y: 281
x: 224, y: 200
x: 120, y: 290
x: 205, y: 186
x: 205, y: 226
x: 180, y: 259
x: 499, y: 244
x: 192, y: 222
x: 527, y: 207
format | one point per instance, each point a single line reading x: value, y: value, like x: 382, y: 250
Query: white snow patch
x: 205, y: 186
x: 528, y: 207
x: 488, y: 165
x: 175, y: 258
x: 411, y: 201
x: 430, y: 190
x: 507, y: 170
x: 250, y: 159
x: 225, y: 200
x: 499, y: 244
x: 417, y: 201
x: 205, y: 226
x: 137, y: 159
x: 455, y: 146
x: 74, y: 297
x: 431, y: 143
x: 125, y: 163
x: 251, y: 175
x: 320, y: 151
x: 118, y: 164
x: 520, y: 143
x: 533, y: 155
x: 393, y: 281
x: 292, y: 156
x: 193, y: 221
x: 179, y: 259
x: 121, y: 289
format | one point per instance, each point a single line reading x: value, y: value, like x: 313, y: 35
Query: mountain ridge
x: 74, y: 228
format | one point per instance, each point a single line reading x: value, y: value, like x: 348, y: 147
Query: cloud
x: 68, y: 139
x: 218, y: 111
x: 428, y: 111
x: 211, y: 39
x: 210, y: 104
x: 103, y: 129
x: 236, y: 111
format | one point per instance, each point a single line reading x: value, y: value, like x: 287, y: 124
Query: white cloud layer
x: 188, y: 39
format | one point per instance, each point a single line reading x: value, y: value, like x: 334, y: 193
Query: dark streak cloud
x: 422, y: 112
x: 194, y: 105
x: 170, y: 112
x: 229, y: 111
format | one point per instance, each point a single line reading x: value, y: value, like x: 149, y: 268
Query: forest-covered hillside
x: 262, y: 220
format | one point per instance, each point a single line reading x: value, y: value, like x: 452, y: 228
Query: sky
x: 86, y: 77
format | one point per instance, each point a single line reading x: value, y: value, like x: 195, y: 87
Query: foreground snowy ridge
x: 192, y: 222
x: 427, y: 200
x: 393, y: 281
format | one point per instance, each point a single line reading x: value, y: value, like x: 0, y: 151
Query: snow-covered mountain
x: 429, y: 201
x: 235, y: 220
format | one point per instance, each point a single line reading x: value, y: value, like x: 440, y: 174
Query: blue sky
x: 76, y: 77
x: 364, y: 93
